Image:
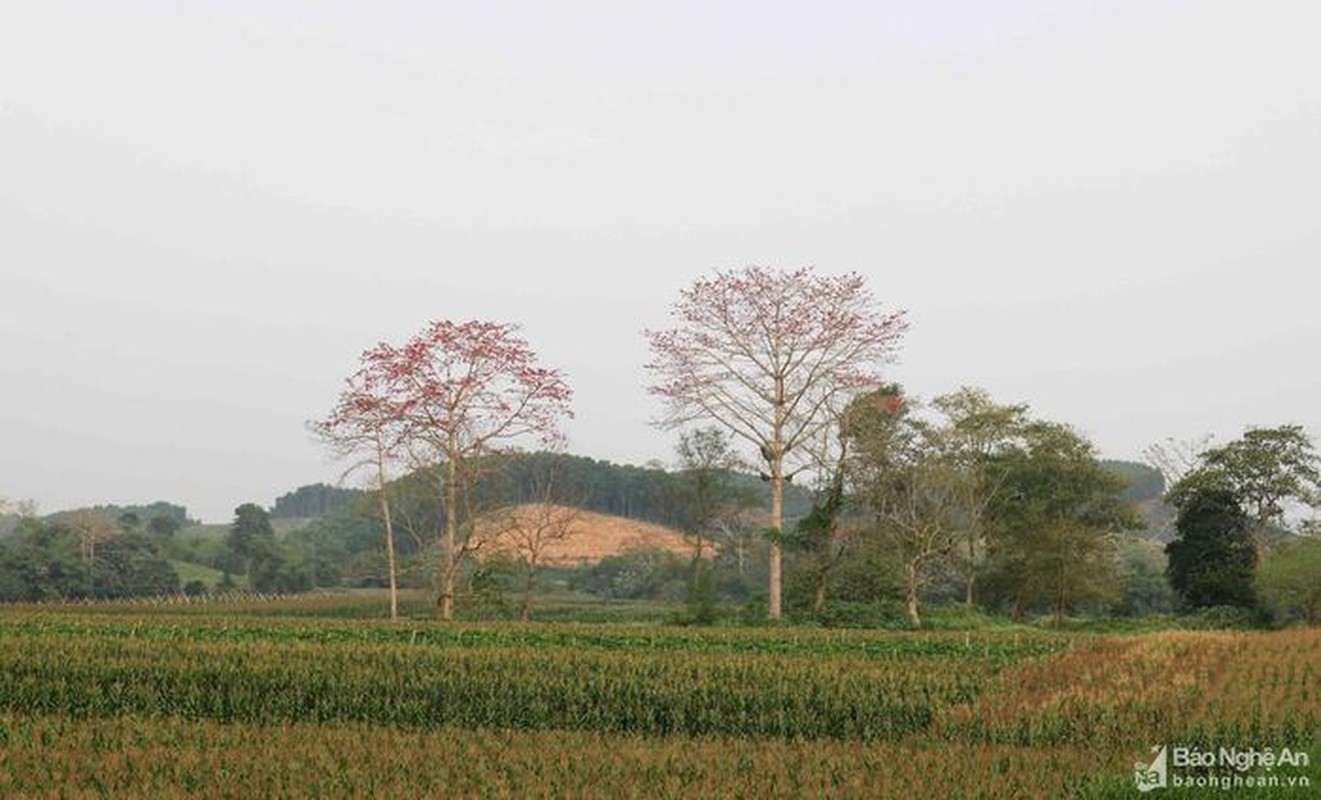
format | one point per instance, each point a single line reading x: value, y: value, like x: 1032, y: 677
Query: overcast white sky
x: 1109, y: 210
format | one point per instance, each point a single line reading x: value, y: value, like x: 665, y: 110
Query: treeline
x: 647, y: 493
x: 127, y: 550
x: 103, y: 553
x: 1032, y: 524
x: 348, y: 540
x: 722, y: 507
x: 887, y: 533
x: 314, y: 500
x: 1235, y: 544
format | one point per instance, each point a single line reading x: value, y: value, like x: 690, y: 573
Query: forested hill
x: 314, y: 500
x: 648, y: 493
x: 1145, y: 484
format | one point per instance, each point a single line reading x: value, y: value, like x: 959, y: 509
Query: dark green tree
x: 1212, y: 561
x: 1289, y: 581
x: 707, y: 498
x: 163, y: 527
x: 1050, y: 527
x: 130, y: 566
x: 1265, y: 470
x: 251, y: 539
x: 43, y: 564
x: 908, y: 479
x: 705, y: 488
x: 974, y: 430
x: 45, y: 561
x: 1143, y: 587
x: 819, y: 536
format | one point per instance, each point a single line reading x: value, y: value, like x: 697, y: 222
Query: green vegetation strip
x: 998, y: 648
x: 861, y: 688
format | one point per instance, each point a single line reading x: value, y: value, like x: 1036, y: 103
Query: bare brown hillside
x: 589, y: 536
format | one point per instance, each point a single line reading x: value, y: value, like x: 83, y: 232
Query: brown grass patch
x: 591, y: 536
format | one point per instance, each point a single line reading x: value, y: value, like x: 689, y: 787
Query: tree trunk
x: 1060, y: 602
x: 911, y: 585
x: 449, y: 558
x: 819, y: 597
x: 525, y: 604
x: 777, y: 519
x: 389, y: 535
x: 972, y: 565
x: 775, y: 457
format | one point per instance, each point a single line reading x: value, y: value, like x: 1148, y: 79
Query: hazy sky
x: 1109, y: 210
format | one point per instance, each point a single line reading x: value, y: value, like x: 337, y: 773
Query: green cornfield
x: 160, y: 704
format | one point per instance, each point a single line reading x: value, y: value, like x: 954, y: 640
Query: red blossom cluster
x: 459, y: 387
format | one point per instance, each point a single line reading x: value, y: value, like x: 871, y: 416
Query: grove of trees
x: 445, y: 401
x: 1233, y: 504
x: 771, y: 356
x: 83, y: 554
x: 860, y: 504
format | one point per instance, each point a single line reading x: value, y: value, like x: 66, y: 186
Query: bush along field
x: 159, y: 704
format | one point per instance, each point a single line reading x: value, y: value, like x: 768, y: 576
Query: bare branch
x: 765, y: 353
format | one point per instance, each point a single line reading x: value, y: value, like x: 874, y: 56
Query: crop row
x: 1198, y: 688
x: 1000, y: 648
x: 131, y: 757
x: 637, y: 692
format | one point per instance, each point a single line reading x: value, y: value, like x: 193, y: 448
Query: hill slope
x: 588, y: 536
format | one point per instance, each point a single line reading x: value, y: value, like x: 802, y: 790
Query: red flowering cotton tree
x: 365, y: 425
x: 457, y: 392
x: 768, y: 354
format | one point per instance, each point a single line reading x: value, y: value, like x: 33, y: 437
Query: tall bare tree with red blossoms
x: 454, y: 394
x: 767, y: 354
x: 364, y: 425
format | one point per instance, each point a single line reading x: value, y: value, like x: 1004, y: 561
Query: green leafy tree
x: 1265, y: 470
x: 975, y: 429
x: 638, y: 574
x: 708, y: 499
x: 1211, y: 562
x: 825, y: 538
x: 130, y: 566
x: 13, y: 512
x: 252, y: 541
x: 1143, y: 586
x: 911, y: 485
x: 43, y: 563
x: 705, y: 486
x: 163, y: 527
x: 47, y: 561
x: 1289, y: 581
x: 1051, y: 526
x: 702, y: 594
